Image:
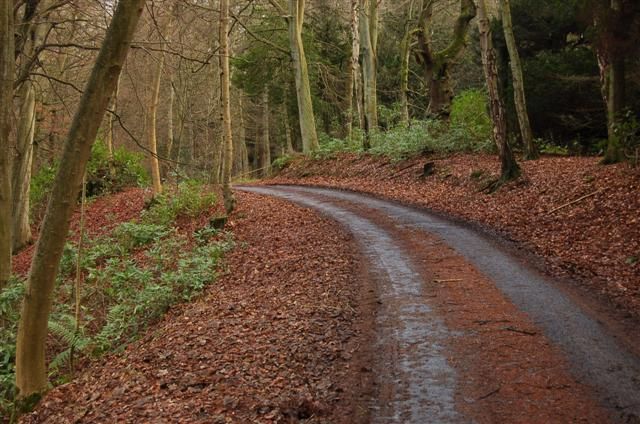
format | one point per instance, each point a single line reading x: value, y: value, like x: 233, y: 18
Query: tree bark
x: 31, y: 371
x: 7, y: 69
x: 437, y: 65
x: 265, y: 163
x: 509, y: 167
x: 152, y: 140
x: 405, y: 55
x: 225, y: 99
x: 354, y: 68
x: 295, y: 20
x: 530, y: 150
x: 22, y: 165
x: 111, y: 119
x: 368, y: 53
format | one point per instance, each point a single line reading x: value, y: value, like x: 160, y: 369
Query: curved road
x: 414, y: 369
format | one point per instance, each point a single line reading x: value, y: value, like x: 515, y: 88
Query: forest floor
x: 290, y: 331
x: 594, y: 242
x: 272, y: 340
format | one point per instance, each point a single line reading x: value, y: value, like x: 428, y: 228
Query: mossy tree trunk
x: 368, y: 57
x: 7, y: 69
x: 437, y: 65
x: 530, y: 150
x: 31, y: 370
x: 295, y: 21
x: 509, y: 167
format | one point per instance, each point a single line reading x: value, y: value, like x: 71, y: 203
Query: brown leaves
x: 596, y: 240
x: 269, y: 342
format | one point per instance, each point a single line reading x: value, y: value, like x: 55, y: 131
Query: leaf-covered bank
x: 595, y: 240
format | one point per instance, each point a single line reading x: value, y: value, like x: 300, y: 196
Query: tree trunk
x: 7, y: 69
x: 172, y: 95
x: 354, y: 67
x: 111, y: 119
x: 303, y: 87
x: 405, y: 54
x: 23, y: 160
x: 509, y: 167
x: 436, y: 65
x: 368, y: 54
x: 287, y: 130
x: 152, y: 140
x: 530, y: 150
x: 265, y: 163
x: 611, y: 60
x: 225, y: 99
x: 31, y: 371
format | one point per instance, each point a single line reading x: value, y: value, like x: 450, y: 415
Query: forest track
x: 499, y: 342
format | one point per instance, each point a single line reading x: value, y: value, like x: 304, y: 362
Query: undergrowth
x: 121, y: 295
x: 128, y: 171
x: 468, y: 131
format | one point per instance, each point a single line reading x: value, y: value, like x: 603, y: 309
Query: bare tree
x: 31, y: 371
x: 225, y: 98
x: 295, y: 21
x: 530, y: 150
x: 509, y: 167
x: 369, y: 58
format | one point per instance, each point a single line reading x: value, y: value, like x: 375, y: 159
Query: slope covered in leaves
x: 270, y: 341
x: 595, y: 241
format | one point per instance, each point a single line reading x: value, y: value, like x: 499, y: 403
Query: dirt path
x: 466, y: 332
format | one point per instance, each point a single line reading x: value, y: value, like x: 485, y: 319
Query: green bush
x: 128, y: 167
x: 469, y: 115
x: 128, y: 170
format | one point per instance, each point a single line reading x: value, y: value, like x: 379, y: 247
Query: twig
x: 452, y: 280
x: 579, y: 199
x: 491, y: 393
x: 517, y: 330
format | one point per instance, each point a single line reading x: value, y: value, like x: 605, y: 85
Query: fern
x: 64, y: 328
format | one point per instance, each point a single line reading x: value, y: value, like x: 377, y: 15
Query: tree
x: 31, y: 371
x: 353, y: 90
x: 509, y: 167
x: 437, y: 64
x: 295, y: 21
x: 405, y: 56
x: 152, y: 141
x: 225, y: 99
x: 530, y: 150
x: 7, y: 68
x: 616, y: 25
x: 368, y: 53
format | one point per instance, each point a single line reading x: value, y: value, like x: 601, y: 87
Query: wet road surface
x: 414, y: 373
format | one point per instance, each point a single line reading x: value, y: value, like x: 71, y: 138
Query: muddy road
x: 467, y: 332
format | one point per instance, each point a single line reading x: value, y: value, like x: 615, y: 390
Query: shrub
x: 129, y: 172
x: 469, y: 115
